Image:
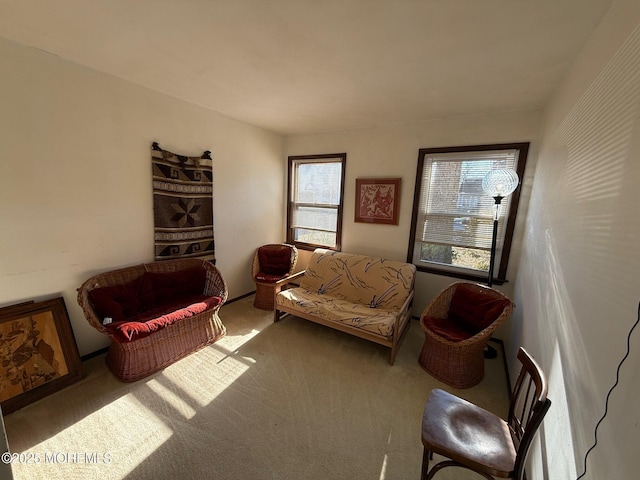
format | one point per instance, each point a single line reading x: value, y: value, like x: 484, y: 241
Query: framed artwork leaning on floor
x: 38, y: 352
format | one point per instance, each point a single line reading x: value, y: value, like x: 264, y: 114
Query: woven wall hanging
x: 182, y: 205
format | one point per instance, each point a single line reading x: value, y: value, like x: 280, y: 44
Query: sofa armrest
x: 289, y: 278
x: 403, y: 312
x: 407, y: 303
x: 87, y: 308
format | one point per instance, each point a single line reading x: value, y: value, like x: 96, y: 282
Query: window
x: 315, y: 198
x: 452, y: 222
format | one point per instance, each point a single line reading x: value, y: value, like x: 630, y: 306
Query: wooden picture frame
x: 377, y: 200
x: 38, y: 352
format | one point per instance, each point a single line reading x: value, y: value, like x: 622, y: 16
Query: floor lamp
x: 498, y: 184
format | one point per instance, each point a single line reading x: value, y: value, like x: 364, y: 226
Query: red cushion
x: 149, y: 292
x: 148, y: 322
x: 166, y: 287
x: 475, y: 310
x: 275, y: 261
x: 146, y: 294
x: 266, y: 277
x: 447, y: 329
x: 119, y: 301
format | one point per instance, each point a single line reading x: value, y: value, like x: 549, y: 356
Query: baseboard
x: 89, y: 356
x: 235, y: 299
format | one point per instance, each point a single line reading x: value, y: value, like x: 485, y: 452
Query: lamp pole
x: 494, y: 237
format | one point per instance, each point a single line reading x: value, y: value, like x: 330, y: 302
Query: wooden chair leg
x: 426, y: 456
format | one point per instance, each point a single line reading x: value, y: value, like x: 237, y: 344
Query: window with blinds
x: 452, y: 223
x: 314, y: 209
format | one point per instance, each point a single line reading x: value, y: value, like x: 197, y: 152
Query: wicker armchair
x: 271, y: 268
x: 457, y: 325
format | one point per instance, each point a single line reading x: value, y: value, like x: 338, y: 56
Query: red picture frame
x: 377, y: 200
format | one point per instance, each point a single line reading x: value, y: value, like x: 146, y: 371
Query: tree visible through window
x: 452, y: 223
x: 315, y: 199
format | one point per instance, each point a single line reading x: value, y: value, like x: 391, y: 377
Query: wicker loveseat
x: 155, y: 313
x: 365, y: 296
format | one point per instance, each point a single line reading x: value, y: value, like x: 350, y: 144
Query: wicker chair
x: 133, y: 360
x: 457, y: 325
x: 271, y: 268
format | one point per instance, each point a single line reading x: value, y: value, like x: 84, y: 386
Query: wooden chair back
x: 529, y: 405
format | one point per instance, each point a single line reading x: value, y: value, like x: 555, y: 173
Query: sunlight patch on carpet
x: 204, y: 383
x: 179, y: 404
x: 383, y: 470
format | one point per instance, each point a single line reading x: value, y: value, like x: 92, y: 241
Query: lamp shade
x: 500, y: 183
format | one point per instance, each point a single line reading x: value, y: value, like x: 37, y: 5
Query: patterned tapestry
x: 182, y: 205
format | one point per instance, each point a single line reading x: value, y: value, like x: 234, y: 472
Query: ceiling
x: 306, y: 66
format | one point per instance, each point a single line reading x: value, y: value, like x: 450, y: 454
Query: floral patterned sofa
x: 365, y: 296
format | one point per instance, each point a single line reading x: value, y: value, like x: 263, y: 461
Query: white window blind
x: 315, y: 200
x: 456, y: 211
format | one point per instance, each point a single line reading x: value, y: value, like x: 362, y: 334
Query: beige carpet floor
x: 291, y: 400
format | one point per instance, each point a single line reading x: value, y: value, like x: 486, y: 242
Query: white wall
x: 75, y: 179
x: 393, y: 152
x: 578, y: 283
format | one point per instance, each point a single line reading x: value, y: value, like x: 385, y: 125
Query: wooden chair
x: 272, y: 265
x: 457, y: 325
x: 473, y: 438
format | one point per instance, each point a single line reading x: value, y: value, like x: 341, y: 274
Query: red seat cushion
x: 475, y: 310
x: 146, y: 323
x: 266, y: 277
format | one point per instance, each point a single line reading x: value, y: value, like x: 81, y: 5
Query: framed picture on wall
x: 38, y: 352
x: 377, y: 200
